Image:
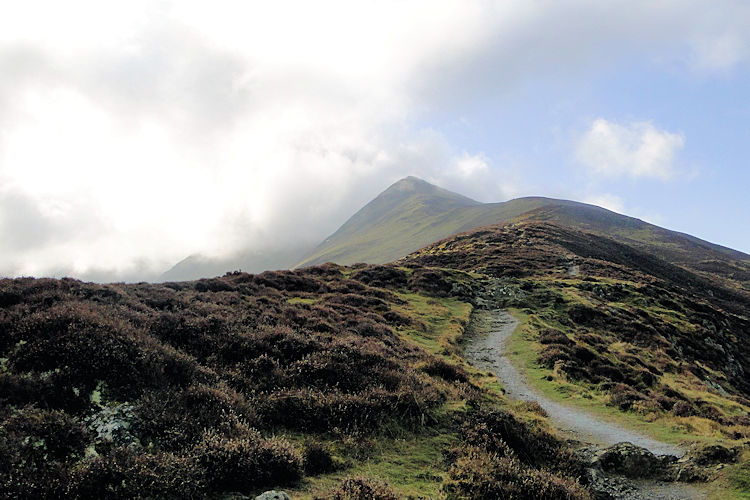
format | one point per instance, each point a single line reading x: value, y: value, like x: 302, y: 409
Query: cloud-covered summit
x: 134, y: 134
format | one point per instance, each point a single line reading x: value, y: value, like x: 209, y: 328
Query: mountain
x: 407, y: 215
x: 199, y: 266
x: 313, y: 379
x: 413, y: 213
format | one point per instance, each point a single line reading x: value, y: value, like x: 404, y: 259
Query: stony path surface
x: 486, y: 350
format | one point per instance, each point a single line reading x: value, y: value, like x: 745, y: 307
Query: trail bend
x: 486, y: 349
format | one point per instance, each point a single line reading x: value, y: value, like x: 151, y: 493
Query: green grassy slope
x: 413, y: 213
x: 410, y: 212
x: 620, y: 333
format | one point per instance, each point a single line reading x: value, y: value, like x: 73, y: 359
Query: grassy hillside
x: 617, y: 331
x: 410, y: 212
x: 349, y: 382
x: 327, y: 382
x: 413, y: 213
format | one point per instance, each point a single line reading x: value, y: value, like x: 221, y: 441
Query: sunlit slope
x: 413, y: 213
x: 409, y: 214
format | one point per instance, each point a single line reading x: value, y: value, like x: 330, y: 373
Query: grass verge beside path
x: 523, y: 350
x: 731, y: 483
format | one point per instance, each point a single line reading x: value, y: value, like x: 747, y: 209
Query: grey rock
x: 273, y: 495
x: 631, y: 461
x: 116, y: 424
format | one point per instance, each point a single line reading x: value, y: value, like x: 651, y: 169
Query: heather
x: 230, y: 384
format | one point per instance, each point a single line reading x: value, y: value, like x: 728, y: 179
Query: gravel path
x: 486, y: 350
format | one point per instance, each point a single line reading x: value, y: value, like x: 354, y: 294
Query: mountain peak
x: 413, y: 213
x: 411, y: 184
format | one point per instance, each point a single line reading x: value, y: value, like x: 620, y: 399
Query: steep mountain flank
x: 410, y: 212
x: 413, y: 213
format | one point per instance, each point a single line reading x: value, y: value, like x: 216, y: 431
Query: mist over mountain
x: 216, y: 281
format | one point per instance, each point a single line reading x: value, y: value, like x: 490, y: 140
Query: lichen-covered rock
x: 632, y: 461
x: 713, y: 454
x: 116, y: 425
x: 273, y: 495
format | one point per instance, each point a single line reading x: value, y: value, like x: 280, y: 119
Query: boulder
x: 713, y: 454
x: 273, y: 495
x: 632, y: 461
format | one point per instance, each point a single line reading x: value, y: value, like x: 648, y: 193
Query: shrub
x: 683, y: 409
x: 552, y: 336
x: 478, y: 474
x: 382, y: 276
x: 624, y: 396
x: 127, y: 473
x: 34, y: 436
x: 437, y: 367
x: 534, y: 407
x: 91, y: 346
x: 362, y: 488
x: 584, y: 315
x: 500, y: 434
x: 177, y: 419
x: 32, y: 481
x: 244, y: 463
x: 317, y: 458
x: 431, y: 282
x: 553, y: 353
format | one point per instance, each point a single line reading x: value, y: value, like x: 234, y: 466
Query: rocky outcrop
x: 273, y: 495
x: 635, y: 462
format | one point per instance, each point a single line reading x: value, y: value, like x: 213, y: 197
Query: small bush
x: 126, y: 473
x: 535, y: 407
x: 683, y: 409
x: 241, y: 464
x: 553, y: 353
x: 437, y: 367
x: 478, y: 474
x: 624, y: 396
x: 500, y: 434
x: 362, y: 488
x: 317, y: 458
x: 552, y: 336
x: 176, y: 419
x: 37, y: 436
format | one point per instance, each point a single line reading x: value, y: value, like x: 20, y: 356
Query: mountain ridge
x: 413, y: 213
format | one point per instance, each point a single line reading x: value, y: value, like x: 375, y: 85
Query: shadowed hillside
x: 307, y: 380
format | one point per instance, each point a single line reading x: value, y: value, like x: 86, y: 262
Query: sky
x: 134, y: 134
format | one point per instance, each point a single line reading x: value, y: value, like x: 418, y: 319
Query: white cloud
x: 135, y: 133
x: 606, y: 200
x: 638, y: 149
x: 468, y: 166
x: 617, y: 204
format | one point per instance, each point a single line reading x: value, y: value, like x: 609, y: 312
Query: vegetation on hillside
x: 611, y: 325
x: 349, y: 382
x: 413, y: 213
x: 300, y: 379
